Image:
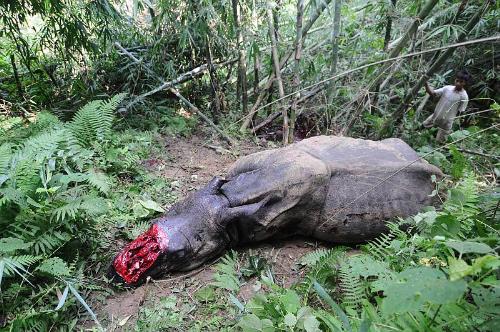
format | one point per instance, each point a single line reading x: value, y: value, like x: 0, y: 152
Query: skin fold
x: 334, y: 189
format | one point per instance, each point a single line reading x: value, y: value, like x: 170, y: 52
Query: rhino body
x: 334, y: 189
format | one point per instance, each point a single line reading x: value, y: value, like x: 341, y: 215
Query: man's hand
x: 429, y: 90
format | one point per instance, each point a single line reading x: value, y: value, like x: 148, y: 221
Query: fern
x: 313, y: 257
x: 93, y: 122
x: 381, y: 247
x: 29, y: 161
x: 99, y: 180
x: 16, y: 265
x: 5, y: 156
x: 463, y: 202
x: 49, y: 241
x: 226, y: 276
x: 324, y: 266
x: 68, y: 210
x: 55, y: 267
x: 353, y: 291
x: 30, y: 321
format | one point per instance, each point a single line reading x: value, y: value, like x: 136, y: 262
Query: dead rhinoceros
x: 335, y: 189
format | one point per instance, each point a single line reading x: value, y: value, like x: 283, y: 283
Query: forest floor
x: 192, y: 162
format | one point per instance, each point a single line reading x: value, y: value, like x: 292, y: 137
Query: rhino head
x: 185, y: 237
x: 193, y: 232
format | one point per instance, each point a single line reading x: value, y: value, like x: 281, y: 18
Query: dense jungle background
x: 111, y: 111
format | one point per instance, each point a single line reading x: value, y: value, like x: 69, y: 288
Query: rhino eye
x: 181, y: 253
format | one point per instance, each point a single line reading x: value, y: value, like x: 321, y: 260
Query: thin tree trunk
x: 271, y: 78
x: 435, y: 67
x: 296, y: 76
x: 277, y: 72
x: 317, y: 13
x: 241, y: 89
x: 335, y: 35
x: 388, y: 26
x: 214, y: 84
x: 256, y: 53
x: 19, y: 86
x: 276, y: 20
x: 451, y: 21
x: 335, y: 47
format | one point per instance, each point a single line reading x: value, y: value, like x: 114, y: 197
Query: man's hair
x: 464, y: 75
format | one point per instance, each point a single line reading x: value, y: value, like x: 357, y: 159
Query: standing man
x: 453, y: 99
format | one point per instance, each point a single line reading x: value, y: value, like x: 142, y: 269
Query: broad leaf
x: 417, y: 286
x: 464, y: 247
x: 151, y: 205
x: 11, y: 244
x: 252, y: 323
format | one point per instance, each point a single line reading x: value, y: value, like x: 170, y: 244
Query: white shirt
x: 450, y: 103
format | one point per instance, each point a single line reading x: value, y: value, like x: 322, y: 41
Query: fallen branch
x: 172, y: 89
x: 479, y: 154
x: 165, y: 85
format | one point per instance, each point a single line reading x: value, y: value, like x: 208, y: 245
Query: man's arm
x: 429, y: 90
x: 463, y: 105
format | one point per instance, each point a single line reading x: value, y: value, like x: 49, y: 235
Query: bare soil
x: 192, y: 162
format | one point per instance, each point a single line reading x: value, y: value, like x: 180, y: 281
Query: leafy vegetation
x: 90, y: 90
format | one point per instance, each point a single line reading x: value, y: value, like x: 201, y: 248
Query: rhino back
x: 328, y: 187
x: 370, y: 183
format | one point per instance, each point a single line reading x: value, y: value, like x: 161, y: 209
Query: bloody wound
x: 139, y: 255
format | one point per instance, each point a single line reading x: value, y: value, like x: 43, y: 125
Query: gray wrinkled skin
x: 303, y: 189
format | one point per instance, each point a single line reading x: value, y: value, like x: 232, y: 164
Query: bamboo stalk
x: 296, y: 78
x: 277, y: 73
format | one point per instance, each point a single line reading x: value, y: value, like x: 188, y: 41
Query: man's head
x: 462, y: 79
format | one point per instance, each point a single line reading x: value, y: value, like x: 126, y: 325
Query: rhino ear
x: 213, y: 187
x: 249, y: 211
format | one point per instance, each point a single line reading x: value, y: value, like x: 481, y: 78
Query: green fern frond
x: 464, y: 198
x: 313, y: 257
x: 12, y: 265
x: 137, y: 229
x: 325, y: 266
x: 93, y: 122
x: 99, y: 180
x: 226, y: 276
x: 114, y: 101
x: 48, y: 241
x: 353, y: 291
x: 28, y: 161
x: 11, y: 195
x: 12, y: 244
x: 5, y: 156
x: 68, y: 210
x: 25, y: 260
x: 94, y: 206
x: 380, y: 248
x: 29, y: 321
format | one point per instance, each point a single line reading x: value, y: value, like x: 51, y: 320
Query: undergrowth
x: 68, y: 190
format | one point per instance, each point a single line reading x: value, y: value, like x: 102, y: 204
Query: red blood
x: 140, y: 254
